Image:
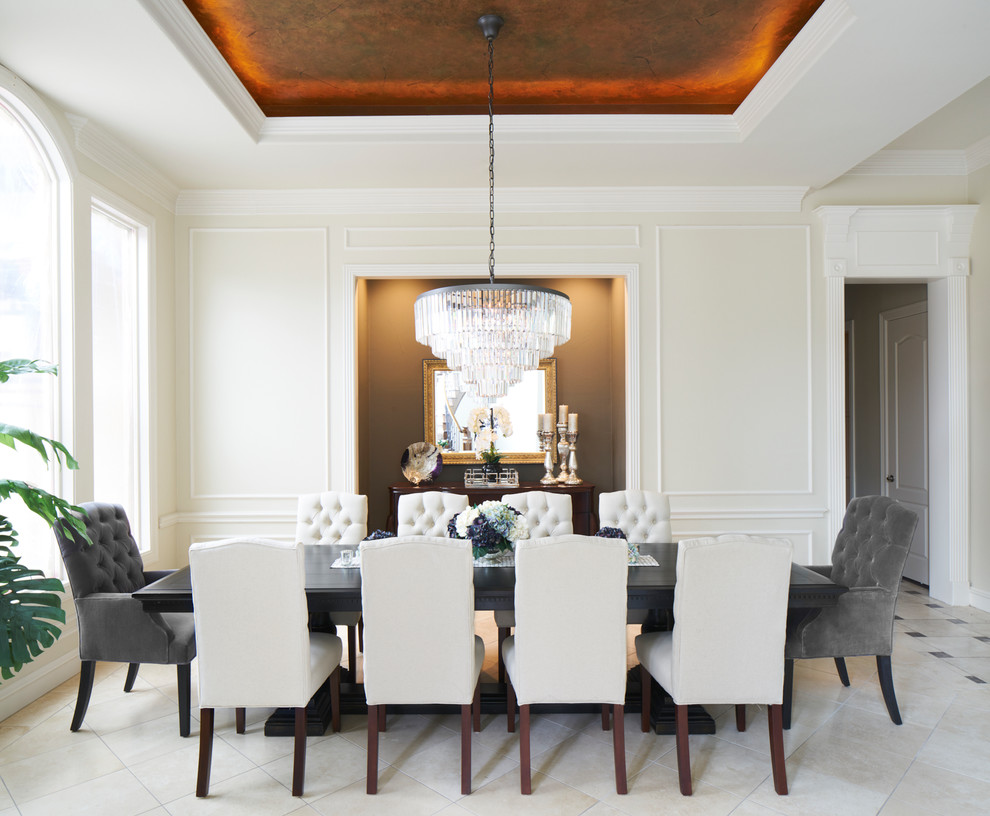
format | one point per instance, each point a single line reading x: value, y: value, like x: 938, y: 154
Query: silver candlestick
x: 562, y: 449
x: 546, y: 445
x: 572, y: 465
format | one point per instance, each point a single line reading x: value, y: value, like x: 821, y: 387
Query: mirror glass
x: 457, y: 421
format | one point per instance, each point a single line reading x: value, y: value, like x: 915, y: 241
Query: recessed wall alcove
x: 591, y: 379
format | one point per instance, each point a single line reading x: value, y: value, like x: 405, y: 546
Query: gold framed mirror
x: 447, y: 413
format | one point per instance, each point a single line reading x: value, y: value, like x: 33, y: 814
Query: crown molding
x: 913, y: 163
x: 811, y: 43
x: 181, y: 27
x: 95, y: 143
x: 512, y: 129
x: 529, y: 200
x: 978, y: 155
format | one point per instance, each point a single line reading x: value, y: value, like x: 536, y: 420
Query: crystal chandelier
x: 492, y: 332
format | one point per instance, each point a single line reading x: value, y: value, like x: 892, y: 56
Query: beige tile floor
x: 844, y: 755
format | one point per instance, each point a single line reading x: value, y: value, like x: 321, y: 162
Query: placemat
x: 503, y: 560
x: 509, y: 560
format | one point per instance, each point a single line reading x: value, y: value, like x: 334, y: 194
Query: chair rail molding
x: 897, y: 244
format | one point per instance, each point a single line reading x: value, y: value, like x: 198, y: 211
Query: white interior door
x: 904, y: 395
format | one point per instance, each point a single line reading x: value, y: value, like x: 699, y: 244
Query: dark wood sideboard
x: 582, y: 499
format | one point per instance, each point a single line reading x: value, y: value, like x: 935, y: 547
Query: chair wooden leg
x: 87, y: 672
x: 777, y: 750
x: 381, y: 718
x: 372, y: 749
x: 335, y: 700
x: 466, y: 717
x: 205, y: 751
x: 132, y: 671
x: 646, y: 684
x: 788, y: 693
x: 510, y: 705
x: 476, y: 706
x: 840, y: 667
x: 502, y: 635
x: 240, y: 720
x: 683, y: 752
x: 740, y: 717
x: 619, y: 747
x: 605, y: 712
x: 887, y: 687
x: 183, y: 679
x: 352, y: 652
x: 361, y: 635
x: 525, y: 776
x: 299, y: 753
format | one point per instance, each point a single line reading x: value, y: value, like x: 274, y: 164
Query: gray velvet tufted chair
x: 112, y: 625
x: 869, y: 557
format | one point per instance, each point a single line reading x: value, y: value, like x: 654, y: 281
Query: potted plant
x: 30, y: 605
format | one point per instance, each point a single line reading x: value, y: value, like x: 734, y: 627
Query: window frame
x: 112, y: 206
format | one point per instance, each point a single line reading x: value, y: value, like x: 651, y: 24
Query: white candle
x: 561, y: 414
x: 546, y: 422
x: 572, y: 423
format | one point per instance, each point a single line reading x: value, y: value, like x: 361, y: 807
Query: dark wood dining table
x: 333, y: 589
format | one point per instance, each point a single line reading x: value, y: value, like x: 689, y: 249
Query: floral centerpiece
x: 492, y: 526
x: 487, y: 424
x: 615, y: 532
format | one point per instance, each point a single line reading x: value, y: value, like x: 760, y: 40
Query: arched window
x: 29, y: 292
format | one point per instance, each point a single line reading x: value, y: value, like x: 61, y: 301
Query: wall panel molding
x: 807, y: 487
x: 553, y: 200
x: 194, y: 445
x: 555, y: 237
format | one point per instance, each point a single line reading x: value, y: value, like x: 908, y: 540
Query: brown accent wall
x: 590, y: 379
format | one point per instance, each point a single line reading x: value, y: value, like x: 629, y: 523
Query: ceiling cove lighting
x: 492, y: 332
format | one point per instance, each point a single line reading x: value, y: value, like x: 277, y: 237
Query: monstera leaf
x: 30, y: 608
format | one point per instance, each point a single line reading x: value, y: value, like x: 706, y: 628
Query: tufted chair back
x: 873, y: 544
x: 332, y: 518
x: 643, y: 515
x: 112, y: 564
x: 113, y: 626
x: 428, y: 513
x: 548, y: 514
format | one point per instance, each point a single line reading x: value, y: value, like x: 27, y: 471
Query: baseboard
x: 979, y: 599
x: 37, y: 679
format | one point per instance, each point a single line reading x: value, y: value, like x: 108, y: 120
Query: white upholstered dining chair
x: 548, y: 514
x: 644, y: 518
x: 428, y: 513
x: 411, y: 585
x: 569, y: 645
x: 643, y: 515
x: 727, y: 643
x: 254, y: 645
x: 328, y: 518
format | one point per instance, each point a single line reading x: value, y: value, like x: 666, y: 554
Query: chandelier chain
x: 491, y: 160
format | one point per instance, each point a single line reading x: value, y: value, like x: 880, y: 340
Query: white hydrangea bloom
x: 464, y: 520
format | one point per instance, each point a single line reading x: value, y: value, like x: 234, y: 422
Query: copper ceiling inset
x: 368, y: 57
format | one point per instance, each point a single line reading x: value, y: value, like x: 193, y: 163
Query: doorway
x: 887, y: 403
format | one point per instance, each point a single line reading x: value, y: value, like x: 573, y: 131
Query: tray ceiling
x: 371, y: 57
